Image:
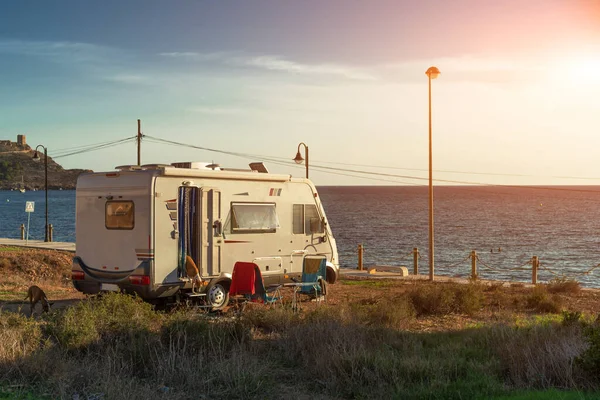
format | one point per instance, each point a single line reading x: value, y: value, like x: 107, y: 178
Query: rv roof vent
x: 259, y: 166
x: 128, y: 167
x: 196, y: 165
x: 155, y: 166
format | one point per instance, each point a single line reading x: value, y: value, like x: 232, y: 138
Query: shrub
x: 571, y: 317
x: 431, y: 299
x: 390, y: 313
x: 112, y: 316
x: 590, y: 359
x: 447, y: 298
x: 539, y: 300
x: 564, y: 285
x: 468, y: 298
x: 270, y: 320
x: 19, y: 336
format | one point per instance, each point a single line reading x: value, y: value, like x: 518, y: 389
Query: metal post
x: 473, y: 265
x: 360, y: 257
x: 22, y: 231
x: 534, y: 269
x: 50, y: 232
x: 306, y: 153
x: 46, y: 187
x: 431, y: 251
x: 36, y: 158
x: 139, y: 143
x: 416, y: 260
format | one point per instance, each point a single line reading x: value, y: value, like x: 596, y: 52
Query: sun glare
x: 578, y: 70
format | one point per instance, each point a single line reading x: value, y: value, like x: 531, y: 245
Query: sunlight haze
x: 516, y: 101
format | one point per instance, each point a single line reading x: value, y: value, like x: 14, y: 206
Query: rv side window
x: 253, y: 218
x: 311, y: 218
x: 303, y: 216
x: 298, y: 222
x: 119, y: 215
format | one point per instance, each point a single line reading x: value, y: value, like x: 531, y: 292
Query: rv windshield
x: 254, y: 217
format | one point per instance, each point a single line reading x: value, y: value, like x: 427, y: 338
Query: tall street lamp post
x: 298, y: 159
x: 432, y: 73
x: 36, y: 157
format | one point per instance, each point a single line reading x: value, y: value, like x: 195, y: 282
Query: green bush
x: 19, y: 336
x: 112, y: 316
x: 590, y: 359
x: 539, y: 300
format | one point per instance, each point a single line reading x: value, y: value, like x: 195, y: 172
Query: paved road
x: 39, y: 244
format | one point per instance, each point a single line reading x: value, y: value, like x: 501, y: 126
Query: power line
x: 370, y: 173
x: 95, y: 147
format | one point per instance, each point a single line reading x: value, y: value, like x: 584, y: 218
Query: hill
x: 17, y: 165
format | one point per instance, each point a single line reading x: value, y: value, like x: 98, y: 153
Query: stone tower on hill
x: 17, y: 165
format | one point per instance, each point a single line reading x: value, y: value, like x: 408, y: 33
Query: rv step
x: 195, y: 294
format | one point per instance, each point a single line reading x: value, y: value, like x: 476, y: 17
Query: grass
x: 369, y: 283
x: 379, y: 339
x: 552, y: 394
x: 10, y: 248
x: 353, y: 350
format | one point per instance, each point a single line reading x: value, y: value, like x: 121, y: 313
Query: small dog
x: 192, y: 272
x: 35, y: 294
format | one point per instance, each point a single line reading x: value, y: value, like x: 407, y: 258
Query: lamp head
x: 298, y: 159
x: 432, y: 72
x: 36, y: 156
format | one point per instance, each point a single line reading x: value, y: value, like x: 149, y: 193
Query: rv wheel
x: 217, y: 296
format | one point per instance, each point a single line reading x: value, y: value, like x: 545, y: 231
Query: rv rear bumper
x: 138, y: 281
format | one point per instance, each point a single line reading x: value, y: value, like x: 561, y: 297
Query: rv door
x: 210, y: 238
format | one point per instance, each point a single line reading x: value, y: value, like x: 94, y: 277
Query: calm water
x: 61, y: 214
x: 559, y: 225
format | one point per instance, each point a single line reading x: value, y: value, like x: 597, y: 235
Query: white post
x: 27, y: 237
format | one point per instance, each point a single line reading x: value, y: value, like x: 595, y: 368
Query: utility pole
x: 139, y: 144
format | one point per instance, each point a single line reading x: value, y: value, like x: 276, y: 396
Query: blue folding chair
x: 314, y: 272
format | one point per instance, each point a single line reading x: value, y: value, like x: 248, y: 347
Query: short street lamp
x: 36, y: 157
x: 298, y: 159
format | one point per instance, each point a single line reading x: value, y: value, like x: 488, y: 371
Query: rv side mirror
x: 315, y: 225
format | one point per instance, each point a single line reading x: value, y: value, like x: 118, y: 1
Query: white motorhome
x: 135, y: 225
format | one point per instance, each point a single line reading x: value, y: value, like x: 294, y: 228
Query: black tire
x: 331, y: 276
x: 217, y: 295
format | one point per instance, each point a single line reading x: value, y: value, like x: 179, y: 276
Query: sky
x: 517, y: 101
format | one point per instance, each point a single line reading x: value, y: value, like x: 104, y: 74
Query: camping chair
x: 314, y: 272
x: 247, y: 283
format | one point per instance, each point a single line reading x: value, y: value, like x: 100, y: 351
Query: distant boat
x: 22, y: 188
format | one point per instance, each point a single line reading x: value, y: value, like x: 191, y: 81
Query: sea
x: 506, y: 226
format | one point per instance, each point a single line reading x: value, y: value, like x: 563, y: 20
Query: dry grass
x: 564, y: 285
x: 372, y: 339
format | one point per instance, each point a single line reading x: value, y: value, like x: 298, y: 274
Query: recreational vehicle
x: 136, y: 225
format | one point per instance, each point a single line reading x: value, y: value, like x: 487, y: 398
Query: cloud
x: 125, y: 78
x: 194, y: 56
x: 57, y: 51
x: 274, y: 63
x: 216, y: 110
x: 277, y: 63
